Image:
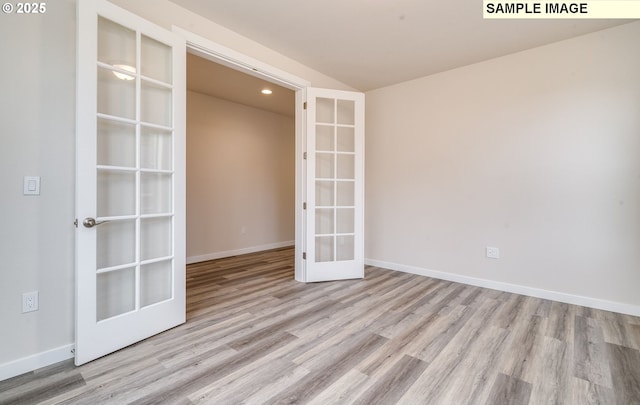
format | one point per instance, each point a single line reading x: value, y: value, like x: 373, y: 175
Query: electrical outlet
x: 30, y: 301
x: 493, y: 252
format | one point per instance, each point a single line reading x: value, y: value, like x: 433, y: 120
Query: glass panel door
x: 135, y: 170
x: 335, y: 180
x: 130, y: 168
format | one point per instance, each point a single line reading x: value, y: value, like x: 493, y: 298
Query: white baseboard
x: 512, y: 288
x: 236, y: 252
x: 35, y: 361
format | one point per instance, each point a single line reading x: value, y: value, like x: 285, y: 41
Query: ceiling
x: 206, y: 77
x: 368, y: 44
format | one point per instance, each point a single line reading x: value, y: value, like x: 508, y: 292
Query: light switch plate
x: 31, y: 185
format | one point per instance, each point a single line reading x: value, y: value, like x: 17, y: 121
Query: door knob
x: 91, y: 222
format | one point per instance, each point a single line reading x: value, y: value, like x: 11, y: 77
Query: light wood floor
x: 256, y: 336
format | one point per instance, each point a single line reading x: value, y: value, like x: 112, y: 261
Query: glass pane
x: 156, y: 149
x: 324, y: 193
x: 116, y: 193
x: 324, y: 138
x: 155, y: 282
x: 324, y: 165
x: 155, y: 60
x: 115, y: 243
x: 324, y: 220
x: 155, y: 193
x: 346, y: 139
x: 116, y: 293
x: 345, y: 248
x: 346, y: 166
x: 345, y: 220
x: 324, y: 248
x: 155, y: 104
x: 116, y: 144
x: 345, y: 190
x: 116, y: 97
x: 116, y: 44
x: 346, y: 112
x: 155, y: 238
x: 325, y: 110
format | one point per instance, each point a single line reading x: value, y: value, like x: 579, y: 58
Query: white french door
x: 130, y: 180
x: 334, y: 185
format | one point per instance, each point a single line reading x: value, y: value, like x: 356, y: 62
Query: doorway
x: 240, y: 162
x: 222, y: 55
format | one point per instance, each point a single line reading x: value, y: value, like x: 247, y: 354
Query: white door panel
x: 334, y: 185
x: 130, y: 180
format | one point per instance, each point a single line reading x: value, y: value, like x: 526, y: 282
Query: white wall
x: 240, y: 178
x: 37, y: 114
x: 537, y: 153
x: 37, y: 130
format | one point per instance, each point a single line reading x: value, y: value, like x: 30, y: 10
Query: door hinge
x: 304, y: 155
x: 304, y: 205
x: 76, y: 222
x: 304, y: 255
x: 304, y: 105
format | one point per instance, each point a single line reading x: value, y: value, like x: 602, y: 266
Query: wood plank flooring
x: 255, y: 336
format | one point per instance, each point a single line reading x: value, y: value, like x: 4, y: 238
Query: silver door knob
x: 91, y: 222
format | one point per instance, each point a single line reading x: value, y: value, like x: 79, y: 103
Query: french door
x: 334, y: 185
x: 130, y: 180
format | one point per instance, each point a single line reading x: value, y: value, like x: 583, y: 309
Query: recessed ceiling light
x: 266, y: 91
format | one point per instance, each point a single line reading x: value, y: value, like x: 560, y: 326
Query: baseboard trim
x: 35, y: 361
x: 512, y: 288
x: 236, y: 252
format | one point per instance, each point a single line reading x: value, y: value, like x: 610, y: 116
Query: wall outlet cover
x: 30, y: 301
x: 493, y: 252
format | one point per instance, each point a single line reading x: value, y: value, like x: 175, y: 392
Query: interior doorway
x: 240, y: 162
x: 215, y: 52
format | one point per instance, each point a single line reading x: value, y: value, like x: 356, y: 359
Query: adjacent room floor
x: 254, y: 335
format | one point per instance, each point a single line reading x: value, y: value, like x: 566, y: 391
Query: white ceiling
x: 222, y: 82
x: 369, y: 44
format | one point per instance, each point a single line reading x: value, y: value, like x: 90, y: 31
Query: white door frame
x: 217, y: 53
